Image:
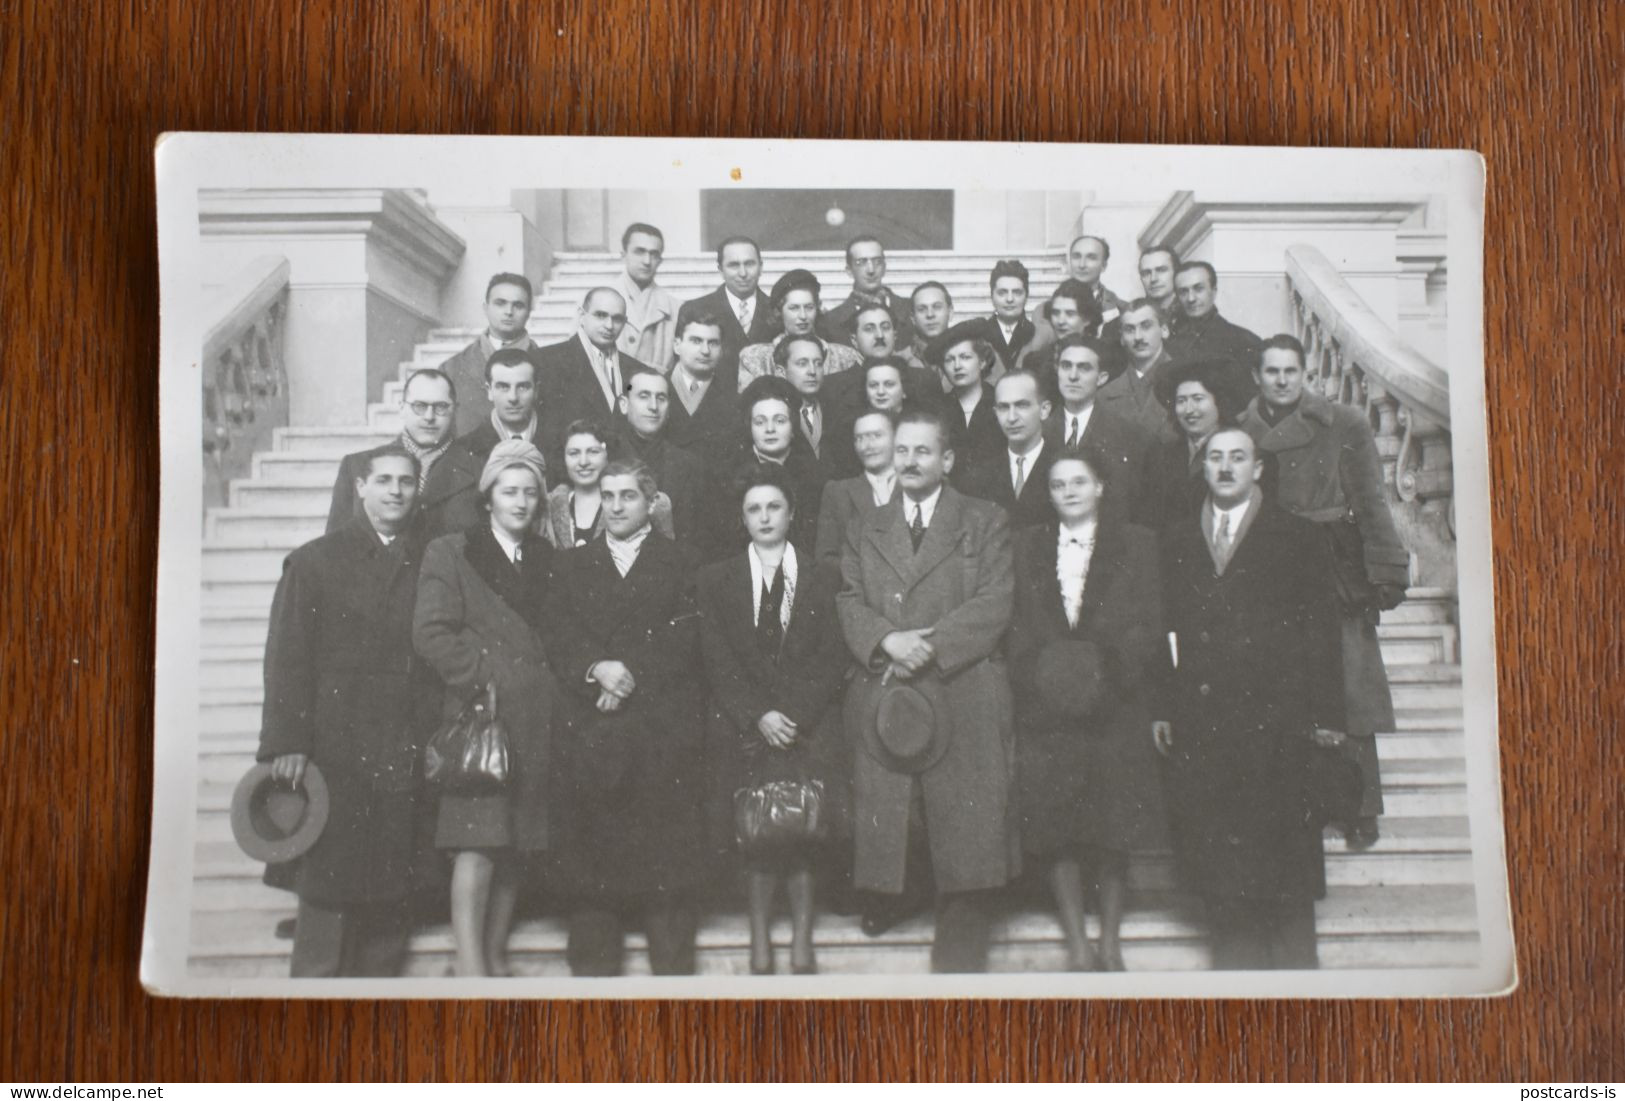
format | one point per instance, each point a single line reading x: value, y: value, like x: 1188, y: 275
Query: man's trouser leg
x: 669, y: 925
x: 597, y: 941
x: 963, y: 927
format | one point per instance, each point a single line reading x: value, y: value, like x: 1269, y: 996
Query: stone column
x: 500, y: 234
x: 366, y: 269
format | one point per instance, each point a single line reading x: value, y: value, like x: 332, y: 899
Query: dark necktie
x: 916, y: 529
x: 1072, y: 438
x: 769, y: 631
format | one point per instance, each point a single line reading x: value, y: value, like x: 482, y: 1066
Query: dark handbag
x: 779, y: 813
x: 469, y: 754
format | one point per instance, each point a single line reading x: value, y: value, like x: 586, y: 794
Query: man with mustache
x: 1256, y: 689
x: 1132, y: 395
x: 926, y: 597
x: 1328, y: 472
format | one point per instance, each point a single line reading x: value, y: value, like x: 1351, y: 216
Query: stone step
x: 1429, y: 695
x: 820, y: 260
x: 296, y: 467
x: 266, y: 528
x: 241, y: 564
x: 334, y: 440
x: 235, y: 627
x: 1409, y: 720
x: 1419, y: 643
x: 233, y: 667
x: 289, y: 499
x: 1421, y: 609
x: 1419, y: 673
x: 1404, y: 926
x: 223, y: 595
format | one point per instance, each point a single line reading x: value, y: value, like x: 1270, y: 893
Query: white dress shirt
x: 1008, y: 329
x: 1027, y: 458
x: 927, y: 507
x: 624, y: 552
x: 1079, y: 420
x: 1074, y: 548
x: 612, y: 387
x: 760, y: 579
x: 509, y: 545
x: 881, y: 485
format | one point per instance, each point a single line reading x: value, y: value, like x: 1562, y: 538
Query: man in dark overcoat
x: 1197, y: 331
x: 1328, y: 472
x: 345, y: 692
x: 925, y: 600
x: 641, y: 433
x: 1256, y: 686
x: 702, y: 412
x: 623, y: 639
x: 1017, y: 477
x: 428, y: 412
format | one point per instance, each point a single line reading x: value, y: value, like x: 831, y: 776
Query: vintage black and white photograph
x: 749, y: 569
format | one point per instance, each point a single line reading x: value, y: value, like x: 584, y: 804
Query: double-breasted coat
x: 1095, y: 780
x: 960, y: 583
x: 1328, y: 472
x: 344, y: 687
x: 803, y: 681
x: 478, y: 622
x: 1258, y: 669
x: 630, y: 784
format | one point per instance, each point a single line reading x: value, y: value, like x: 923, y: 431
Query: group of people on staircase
x: 1002, y: 599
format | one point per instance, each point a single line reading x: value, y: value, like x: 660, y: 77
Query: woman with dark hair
x: 1084, y: 642
x: 478, y: 623
x: 795, y: 311
x: 768, y: 437
x: 775, y: 661
x: 575, y: 514
x: 1201, y: 398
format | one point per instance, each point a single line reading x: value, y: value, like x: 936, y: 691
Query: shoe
x: 879, y: 922
x: 808, y: 968
x: 763, y: 969
x: 285, y: 928
x: 1361, y: 833
x: 1112, y: 961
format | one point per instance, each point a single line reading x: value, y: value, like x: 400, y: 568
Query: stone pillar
x: 366, y: 270
x: 1246, y: 241
x: 500, y: 234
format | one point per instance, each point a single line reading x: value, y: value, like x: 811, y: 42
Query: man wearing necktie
x: 926, y: 596
x: 745, y: 312
x: 1256, y: 690
x: 1017, y: 480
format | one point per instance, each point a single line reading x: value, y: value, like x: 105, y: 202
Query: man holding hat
x: 926, y: 597
x: 795, y: 308
x: 346, y: 696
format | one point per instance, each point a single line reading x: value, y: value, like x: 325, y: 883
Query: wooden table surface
x: 86, y: 88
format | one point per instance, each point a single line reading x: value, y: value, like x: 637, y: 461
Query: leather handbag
x: 469, y: 754
x: 777, y: 813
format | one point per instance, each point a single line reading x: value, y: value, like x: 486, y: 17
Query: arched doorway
x: 806, y: 220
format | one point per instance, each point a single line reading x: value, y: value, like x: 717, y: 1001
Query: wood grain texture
x: 86, y: 88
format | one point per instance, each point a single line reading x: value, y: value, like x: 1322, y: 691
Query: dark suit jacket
x: 1259, y: 667
x: 1009, y: 351
x: 1135, y: 399
x: 1128, y: 449
x: 346, y: 506
x: 991, y: 482
x: 343, y: 687
x: 713, y: 428
x: 569, y: 384
x: 629, y: 784
x: 835, y: 455
x: 976, y: 443
x: 1214, y: 337
x: 466, y: 370
x: 836, y: 324
x: 720, y: 303
x: 843, y: 501
x: 679, y: 473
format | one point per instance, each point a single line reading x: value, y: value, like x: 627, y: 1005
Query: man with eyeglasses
x: 507, y: 312
x: 866, y: 263
x: 428, y: 411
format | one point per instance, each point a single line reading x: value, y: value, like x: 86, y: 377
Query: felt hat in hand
x: 275, y: 822
x: 907, y: 728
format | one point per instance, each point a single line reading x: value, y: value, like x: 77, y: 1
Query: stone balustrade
x: 244, y: 373
x: 1355, y: 358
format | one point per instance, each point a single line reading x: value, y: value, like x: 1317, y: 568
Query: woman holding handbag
x: 775, y: 662
x: 1084, y: 643
x: 479, y: 613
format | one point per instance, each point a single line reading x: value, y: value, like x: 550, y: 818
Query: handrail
x: 1342, y: 316
x: 243, y: 372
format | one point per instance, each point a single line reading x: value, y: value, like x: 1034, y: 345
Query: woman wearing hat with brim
x: 479, y: 614
x: 1201, y: 396
x: 1084, y: 642
x: 795, y: 311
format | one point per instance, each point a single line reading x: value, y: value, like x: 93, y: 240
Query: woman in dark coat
x: 478, y: 623
x: 775, y: 661
x: 1201, y: 398
x: 1084, y: 644
x: 629, y: 776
